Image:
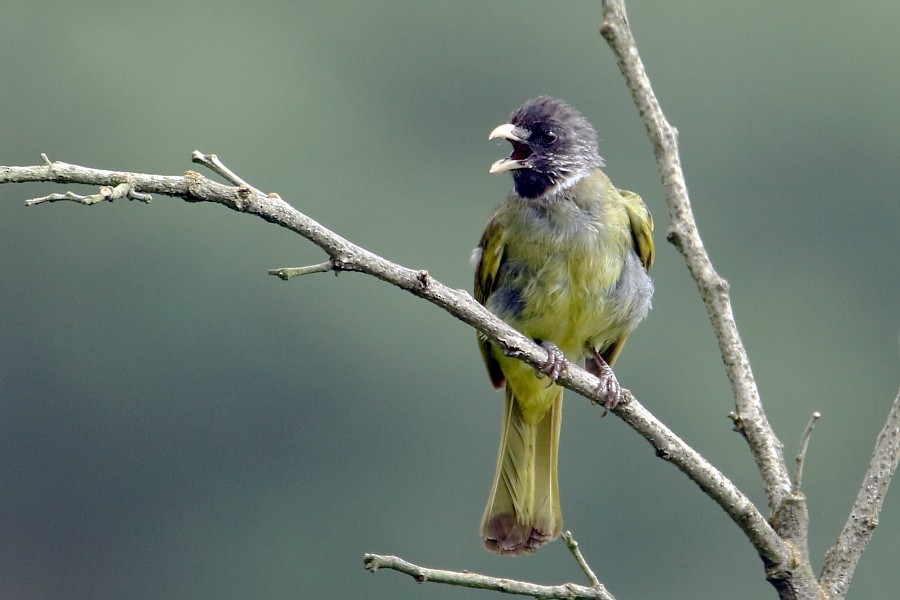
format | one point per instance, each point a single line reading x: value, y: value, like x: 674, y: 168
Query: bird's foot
x: 609, y: 384
x: 556, y: 361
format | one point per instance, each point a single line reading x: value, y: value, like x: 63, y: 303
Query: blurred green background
x: 174, y: 423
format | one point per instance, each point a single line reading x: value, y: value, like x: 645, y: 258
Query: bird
x: 564, y: 260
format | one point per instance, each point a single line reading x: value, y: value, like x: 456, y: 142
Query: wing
x: 492, y: 257
x: 641, y: 222
x: 641, y: 227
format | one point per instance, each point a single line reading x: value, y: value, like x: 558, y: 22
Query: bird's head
x: 553, y: 144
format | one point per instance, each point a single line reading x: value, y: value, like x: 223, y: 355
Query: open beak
x: 516, y: 136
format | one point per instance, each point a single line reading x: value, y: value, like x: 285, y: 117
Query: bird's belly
x: 573, y: 313
x: 571, y: 300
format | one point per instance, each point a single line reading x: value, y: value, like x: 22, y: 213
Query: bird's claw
x: 556, y: 361
x: 609, y: 386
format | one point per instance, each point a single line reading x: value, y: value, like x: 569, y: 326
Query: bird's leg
x: 556, y: 361
x: 609, y: 385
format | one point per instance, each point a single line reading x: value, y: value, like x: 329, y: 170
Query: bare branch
x: 286, y: 273
x: 212, y: 162
x: 106, y: 194
x: 373, y: 562
x: 346, y: 256
x: 841, y: 560
x: 741, y: 510
x: 801, y: 453
x: 683, y: 233
x: 579, y: 558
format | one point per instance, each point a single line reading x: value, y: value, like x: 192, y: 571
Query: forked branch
x: 373, y: 562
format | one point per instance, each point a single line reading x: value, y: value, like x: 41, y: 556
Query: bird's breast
x: 560, y: 274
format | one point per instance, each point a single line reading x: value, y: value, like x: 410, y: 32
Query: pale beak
x: 507, y: 131
x: 516, y: 135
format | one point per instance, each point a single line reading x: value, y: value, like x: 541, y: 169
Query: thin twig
x: 107, y: 194
x: 579, y: 558
x: 286, y: 273
x: 67, y: 197
x: 801, y: 453
x: 212, y: 162
x: 373, y: 562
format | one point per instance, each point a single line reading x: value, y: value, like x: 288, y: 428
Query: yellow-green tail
x: 523, y: 510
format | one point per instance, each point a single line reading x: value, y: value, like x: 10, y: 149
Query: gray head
x: 552, y: 143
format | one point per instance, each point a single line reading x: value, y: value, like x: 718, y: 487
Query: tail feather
x: 523, y: 509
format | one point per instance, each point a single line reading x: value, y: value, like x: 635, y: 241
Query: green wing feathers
x: 641, y: 223
x: 641, y: 227
x: 492, y: 255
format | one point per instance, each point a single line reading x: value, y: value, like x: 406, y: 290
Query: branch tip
x: 285, y: 273
x: 801, y: 454
x: 212, y: 162
x: 579, y: 558
x: 370, y: 562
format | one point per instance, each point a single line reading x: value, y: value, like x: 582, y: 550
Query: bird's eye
x: 547, y: 137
